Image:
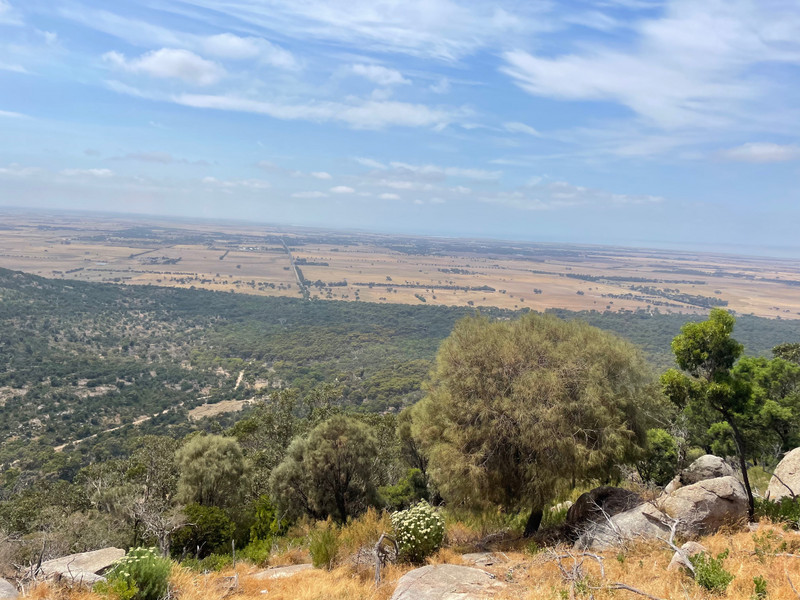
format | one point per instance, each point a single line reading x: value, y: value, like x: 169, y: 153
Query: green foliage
x: 710, y: 573
x: 518, y: 411
x: 330, y: 472
x: 257, y: 551
x: 266, y: 521
x: 212, y: 562
x: 786, y: 510
x: 410, y: 489
x: 142, y: 573
x: 209, y: 531
x: 118, y: 589
x: 660, y: 462
x: 324, y: 545
x: 419, y: 531
x: 759, y: 588
x: 211, y: 470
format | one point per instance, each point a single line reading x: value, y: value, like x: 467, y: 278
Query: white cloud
x: 540, y: 194
x: 170, y: 63
x: 228, y: 45
x: 379, y: 74
x: 101, y: 173
x: 12, y: 115
x: 309, y: 195
x: 14, y: 68
x: 442, y: 29
x: 342, y: 189
x: 370, y: 163
x: 359, y: 115
x: 762, y: 152
x: 441, y: 87
x: 388, y: 196
x: 321, y: 175
x: 676, y: 74
x: 17, y: 170
x: 8, y: 16
x: 435, y: 170
x: 515, y: 127
x: 253, y: 184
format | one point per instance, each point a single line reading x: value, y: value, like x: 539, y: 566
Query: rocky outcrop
x: 706, y: 467
x: 598, y: 504
x: 786, y: 480
x: 84, y: 568
x: 681, y: 559
x: 447, y: 582
x: 704, y: 507
x: 699, y: 509
x: 8, y: 590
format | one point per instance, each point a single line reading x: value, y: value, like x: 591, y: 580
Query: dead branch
x: 626, y: 587
x: 791, y: 585
x: 382, y: 555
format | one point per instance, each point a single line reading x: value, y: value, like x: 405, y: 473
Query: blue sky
x: 635, y: 122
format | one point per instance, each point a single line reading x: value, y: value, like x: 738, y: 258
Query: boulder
x: 598, y: 504
x: 8, y: 591
x: 673, y: 485
x: 704, y: 507
x: 482, y: 559
x: 643, y: 522
x: 447, y: 582
x: 786, y: 477
x: 281, y: 572
x: 95, y: 562
x: 680, y: 559
x: 707, y: 466
x: 76, y: 577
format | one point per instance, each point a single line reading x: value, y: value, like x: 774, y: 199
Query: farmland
x: 335, y: 265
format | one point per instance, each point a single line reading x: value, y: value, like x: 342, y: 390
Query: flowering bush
x: 419, y: 531
x: 142, y: 574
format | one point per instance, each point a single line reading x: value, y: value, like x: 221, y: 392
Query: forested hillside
x: 80, y: 359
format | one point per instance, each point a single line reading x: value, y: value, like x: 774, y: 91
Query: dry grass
x: 529, y: 577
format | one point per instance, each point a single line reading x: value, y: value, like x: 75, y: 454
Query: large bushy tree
x: 211, y: 471
x: 329, y: 472
x: 517, y: 411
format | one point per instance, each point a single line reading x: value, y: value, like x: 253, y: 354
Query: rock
x: 447, y: 582
x: 76, y: 577
x: 679, y: 559
x: 281, y: 572
x: 787, y: 477
x: 704, y: 507
x: 599, y: 503
x: 643, y: 522
x: 482, y: 559
x: 8, y: 591
x: 707, y: 466
x: 95, y: 562
x: 700, y: 508
x: 673, y: 485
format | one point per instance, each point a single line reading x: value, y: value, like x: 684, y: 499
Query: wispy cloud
x: 540, y: 194
x: 169, y: 63
x: 309, y: 195
x: 379, y: 74
x: 762, y: 152
x: 342, y: 189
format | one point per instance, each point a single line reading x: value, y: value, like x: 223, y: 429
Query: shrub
x: 710, y: 573
x: 419, y: 531
x: 759, y: 588
x: 140, y: 575
x: 324, y: 545
x: 212, y: 562
x: 786, y: 510
x: 410, y: 489
x: 257, y: 551
x: 210, y: 532
x: 660, y: 461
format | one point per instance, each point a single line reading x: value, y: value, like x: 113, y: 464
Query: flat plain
x: 335, y: 265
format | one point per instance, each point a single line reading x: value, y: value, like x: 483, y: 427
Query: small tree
x: 211, y: 470
x: 517, y: 411
x: 707, y: 352
x: 330, y: 472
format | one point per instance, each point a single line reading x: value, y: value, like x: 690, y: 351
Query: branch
x: 623, y: 586
x: 783, y: 483
x: 789, y: 579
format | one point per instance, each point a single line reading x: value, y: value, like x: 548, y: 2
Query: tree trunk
x: 737, y: 436
x: 534, y: 520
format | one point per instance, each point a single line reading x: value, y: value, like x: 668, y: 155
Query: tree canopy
x: 518, y: 411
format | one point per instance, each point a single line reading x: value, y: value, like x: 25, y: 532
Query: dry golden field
x: 261, y: 259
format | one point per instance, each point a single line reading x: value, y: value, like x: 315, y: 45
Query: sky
x: 658, y: 123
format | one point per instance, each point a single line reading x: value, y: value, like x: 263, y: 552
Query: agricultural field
x: 333, y: 265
